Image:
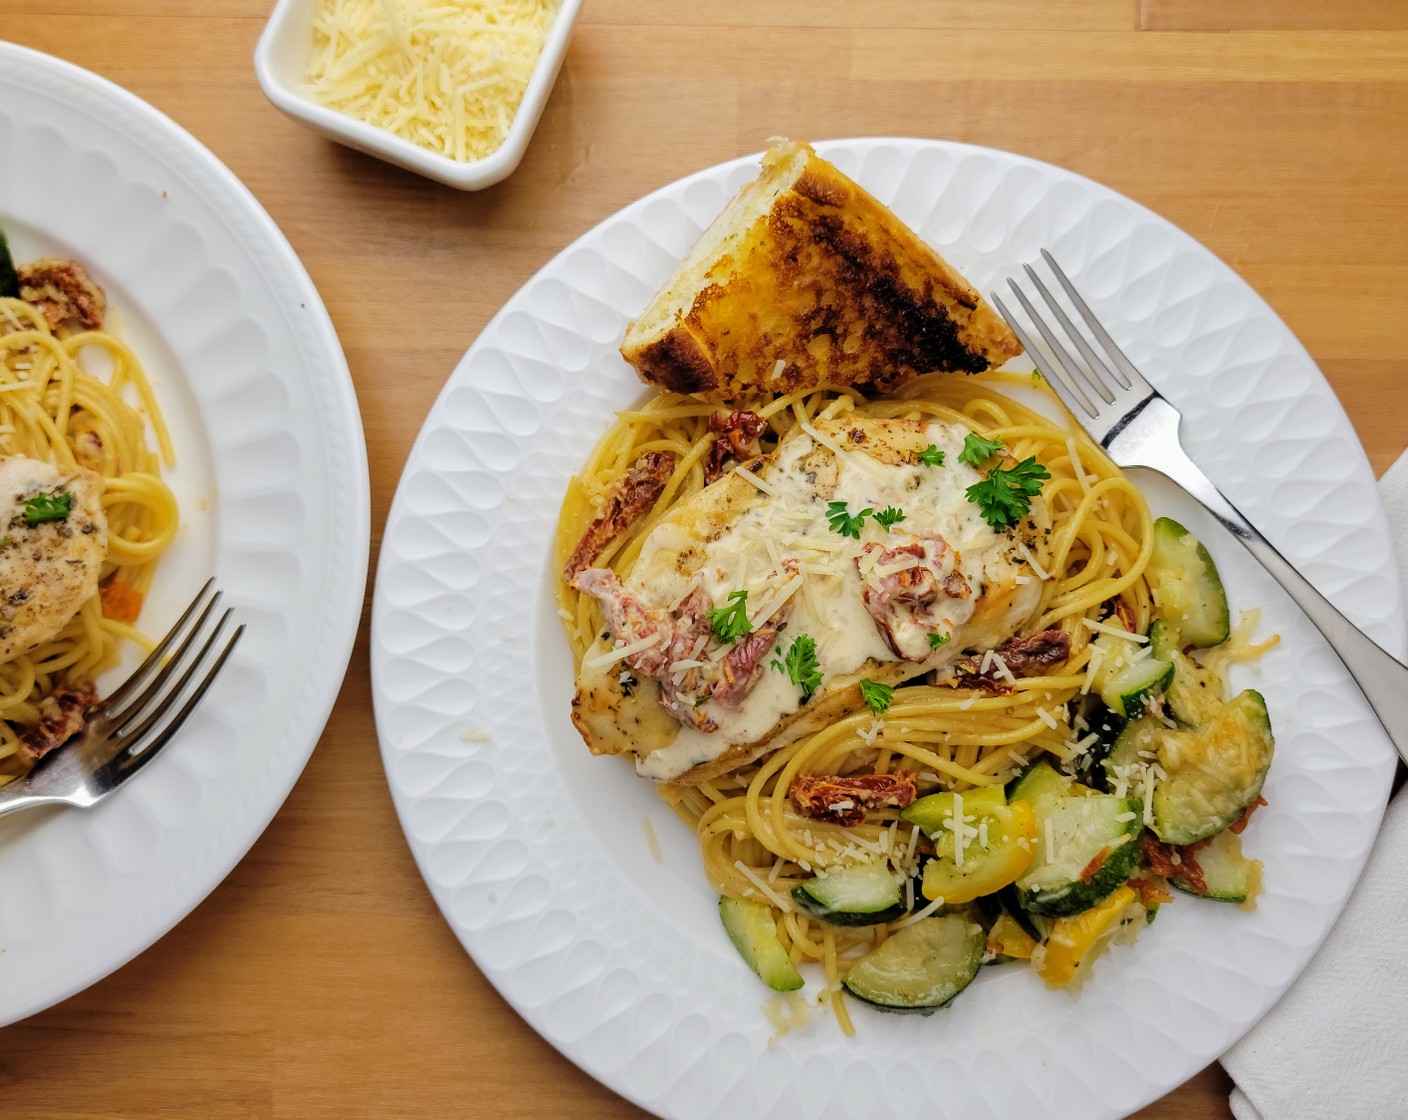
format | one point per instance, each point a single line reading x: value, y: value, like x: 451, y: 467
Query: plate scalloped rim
x: 272, y: 471
x: 533, y: 852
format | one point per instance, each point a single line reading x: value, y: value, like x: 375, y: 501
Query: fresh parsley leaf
x: 1036, y: 375
x: 977, y: 450
x: 931, y: 456
x: 889, y: 517
x: 800, y: 665
x: 47, y: 507
x: 937, y: 640
x: 877, y: 695
x: 1006, y: 494
x: 731, y: 622
x: 842, y: 522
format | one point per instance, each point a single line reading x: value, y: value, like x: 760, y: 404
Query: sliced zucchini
x: 1194, y: 694
x: 9, y: 278
x: 1076, y: 941
x: 1086, y: 844
x: 1187, y: 588
x: 1215, y: 770
x: 1228, y: 876
x: 1128, y: 674
x: 1137, y: 744
x: 1039, y: 782
x: 920, y: 967
x: 998, y: 842
x: 863, y: 894
x: 1089, y: 765
x: 751, y: 928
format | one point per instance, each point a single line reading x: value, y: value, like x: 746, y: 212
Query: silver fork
x: 1128, y: 417
x: 129, y: 728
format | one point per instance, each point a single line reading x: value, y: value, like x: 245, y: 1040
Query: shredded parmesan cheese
x: 448, y: 77
x: 766, y: 487
x: 1117, y: 631
x: 601, y: 660
x: 761, y: 886
x: 653, y: 842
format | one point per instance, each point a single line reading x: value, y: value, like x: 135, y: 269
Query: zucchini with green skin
x: 1128, y: 675
x: 9, y: 278
x: 1093, y: 843
x: 1215, y: 770
x: 1194, y: 694
x: 863, y: 894
x: 751, y: 928
x: 920, y: 967
x: 1228, y: 876
x: 1187, y: 587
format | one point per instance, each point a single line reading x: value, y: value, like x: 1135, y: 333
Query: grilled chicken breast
x: 805, y: 279
x: 890, y: 599
x: 53, y: 540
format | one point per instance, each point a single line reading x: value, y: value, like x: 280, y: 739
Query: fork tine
x: 164, y: 674
x: 1055, y: 380
x: 1122, y: 363
x: 125, y: 738
x: 1097, y: 373
x: 1068, y: 388
x: 154, y: 658
x: 129, y: 761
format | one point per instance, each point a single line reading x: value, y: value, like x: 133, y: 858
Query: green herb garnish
x: 842, y: 522
x: 931, y: 456
x: 800, y: 665
x: 731, y: 622
x: 977, y: 450
x: 889, y: 517
x: 1006, y: 494
x: 937, y: 640
x: 1036, y: 375
x: 877, y: 695
x: 47, y: 507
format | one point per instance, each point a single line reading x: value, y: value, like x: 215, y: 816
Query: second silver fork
x: 128, y: 729
x: 1138, y: 427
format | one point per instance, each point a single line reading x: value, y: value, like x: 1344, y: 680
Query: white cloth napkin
x: 1334, y: 1045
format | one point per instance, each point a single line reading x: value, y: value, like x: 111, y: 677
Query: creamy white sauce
x: 792, y: 525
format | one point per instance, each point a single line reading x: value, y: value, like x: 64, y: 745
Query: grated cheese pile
x: 447, y: 75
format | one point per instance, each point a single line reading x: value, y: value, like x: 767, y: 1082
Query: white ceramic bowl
x: 281, y: 64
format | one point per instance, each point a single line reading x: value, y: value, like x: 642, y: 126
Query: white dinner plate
x: 537, y: 853
x: 272, y: 481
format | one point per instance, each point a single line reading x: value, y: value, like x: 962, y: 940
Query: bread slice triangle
x: 805, y: 268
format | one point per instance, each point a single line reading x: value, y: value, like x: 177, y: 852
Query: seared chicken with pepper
x: 53, y: 539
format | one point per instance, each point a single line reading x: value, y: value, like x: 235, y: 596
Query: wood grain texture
x: 318, y: 980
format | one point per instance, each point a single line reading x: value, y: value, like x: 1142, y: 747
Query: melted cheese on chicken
x: 870, y: 602
x: 48, y: 569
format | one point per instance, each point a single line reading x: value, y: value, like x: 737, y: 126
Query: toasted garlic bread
x: 805, y: 268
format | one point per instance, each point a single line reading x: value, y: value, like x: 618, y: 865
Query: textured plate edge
x: 279, y: 251
x: 573, y: 1050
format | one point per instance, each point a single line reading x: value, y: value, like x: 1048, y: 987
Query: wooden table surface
x: 318, y: 980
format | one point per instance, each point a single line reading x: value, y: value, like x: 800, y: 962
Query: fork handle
x: 1381, y: 677
x: 15, y: 796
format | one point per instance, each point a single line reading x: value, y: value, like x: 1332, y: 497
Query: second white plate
x: 537, y: 853
x: 272, y: 481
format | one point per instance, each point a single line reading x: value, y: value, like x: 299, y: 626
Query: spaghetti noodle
x: 53, y: 409
x: 755, y: 842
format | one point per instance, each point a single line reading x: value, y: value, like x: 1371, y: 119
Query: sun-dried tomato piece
x: 736, y: 437
x: 844, y: 800
x: 633, y: 495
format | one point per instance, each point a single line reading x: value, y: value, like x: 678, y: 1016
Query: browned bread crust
x: 805, y: 267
